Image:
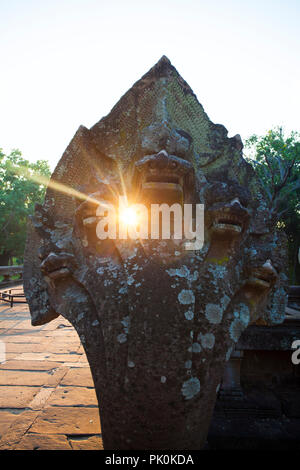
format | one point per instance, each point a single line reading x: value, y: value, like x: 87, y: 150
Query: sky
x: 67, y: 62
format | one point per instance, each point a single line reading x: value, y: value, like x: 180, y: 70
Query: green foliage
x: 20, y: 189
x: 276, y: 159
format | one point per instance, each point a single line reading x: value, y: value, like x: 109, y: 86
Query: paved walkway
x: 47, y: 397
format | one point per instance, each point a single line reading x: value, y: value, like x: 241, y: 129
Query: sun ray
x: 57, y: 186
x: 122, y: 183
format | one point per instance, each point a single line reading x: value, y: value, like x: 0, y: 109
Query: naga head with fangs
x: 157, y: 321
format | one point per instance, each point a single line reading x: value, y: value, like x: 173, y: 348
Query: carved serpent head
x: 157, y: 321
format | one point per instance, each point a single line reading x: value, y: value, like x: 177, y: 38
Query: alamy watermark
x: 296, y: 354
x: 136, y: 221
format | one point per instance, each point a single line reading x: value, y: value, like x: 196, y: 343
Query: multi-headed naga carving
x: 157, y: 321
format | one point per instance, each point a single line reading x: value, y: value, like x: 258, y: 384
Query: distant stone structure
x: 157, y: 322
x: 9, y: 273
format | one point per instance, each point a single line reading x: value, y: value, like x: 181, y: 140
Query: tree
x: 276, y: 159
x: 19, y: 191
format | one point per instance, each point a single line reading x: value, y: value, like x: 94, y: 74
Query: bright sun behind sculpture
x: 128, y: 216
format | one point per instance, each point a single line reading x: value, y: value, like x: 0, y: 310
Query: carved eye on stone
x: 173, y: 165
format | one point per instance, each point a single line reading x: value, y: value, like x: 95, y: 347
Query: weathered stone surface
x: 23, y: 325
x: 20, y: 339
x: 157, y: 322
x: 73, y: 396
x: 15, y: 423
x: 2, y: 331
x: 45, y: 356
x: 9, y: 356
x: 41, y: 398
x: 31, y: 378
x: 63, y: 348
x: 80, y: 377
x: 43, y: 442
x: 16, y: 396
x: 6, y: 419
x: 17, y: 430
x: 77, y: 365
x: 63, y: 333
x: 23, y: 348
x: 29, y: 365
x: 67, y: 420
x: 56, y: 376
x: 8, y: 324
x: 83, y: 443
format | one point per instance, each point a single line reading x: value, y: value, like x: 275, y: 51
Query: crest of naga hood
x: 158, y: 133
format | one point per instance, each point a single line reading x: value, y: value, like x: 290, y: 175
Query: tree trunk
x: 4, y: 258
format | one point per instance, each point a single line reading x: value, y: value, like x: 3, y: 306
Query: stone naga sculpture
x: 157, y: 321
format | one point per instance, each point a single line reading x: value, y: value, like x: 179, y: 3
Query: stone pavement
x: 47, y: 396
